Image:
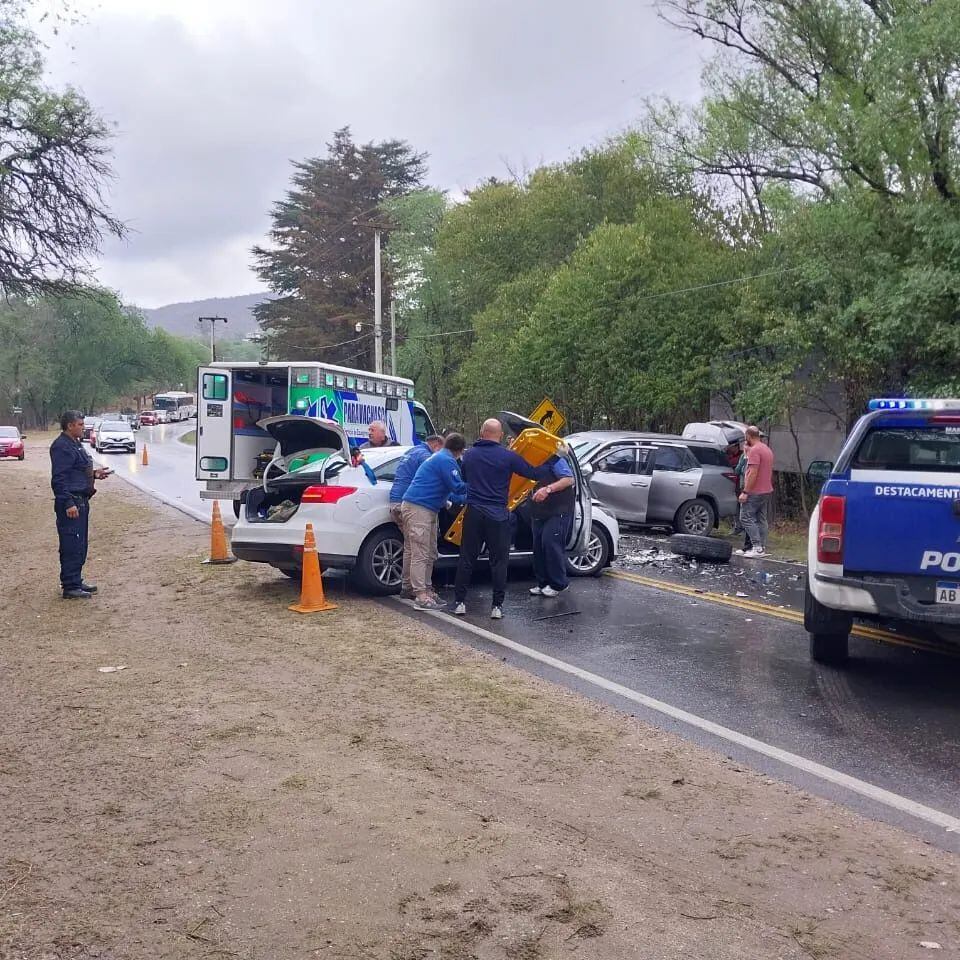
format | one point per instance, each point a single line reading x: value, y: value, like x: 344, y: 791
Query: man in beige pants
x: 437, y: 482
x: 402, y: 478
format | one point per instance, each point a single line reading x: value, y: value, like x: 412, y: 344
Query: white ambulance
x: 232, y: 399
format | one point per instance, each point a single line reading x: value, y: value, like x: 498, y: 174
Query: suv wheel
x: 829, y: 629
x: 597, y: 556
x: 695, y: 517
x: 379, y: 568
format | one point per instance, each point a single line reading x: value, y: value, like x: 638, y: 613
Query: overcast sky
x: 212, y: 99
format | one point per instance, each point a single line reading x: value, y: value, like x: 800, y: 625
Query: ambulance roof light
x: 910, y: 403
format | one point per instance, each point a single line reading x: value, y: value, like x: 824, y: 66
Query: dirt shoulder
x: 354, y: 785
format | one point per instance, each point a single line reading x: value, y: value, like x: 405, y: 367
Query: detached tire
x: 701, y: 548
x: 829, y: 630
x: 380, y: 562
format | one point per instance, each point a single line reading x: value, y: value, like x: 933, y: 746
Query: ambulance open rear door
x: 214, y: 424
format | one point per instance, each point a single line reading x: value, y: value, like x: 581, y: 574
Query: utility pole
x: 213, y: 342
x: 377, y: 305
x: 393, y: 338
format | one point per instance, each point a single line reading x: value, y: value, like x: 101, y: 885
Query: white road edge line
x: 870, y: 791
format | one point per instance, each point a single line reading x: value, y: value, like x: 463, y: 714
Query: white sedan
x: 311, y: 480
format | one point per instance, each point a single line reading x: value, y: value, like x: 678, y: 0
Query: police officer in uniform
x: 552, y: 507
x: 72, y: 479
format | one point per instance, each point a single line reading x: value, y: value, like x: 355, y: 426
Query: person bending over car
x: 402, y: 478
x: 437, y: 481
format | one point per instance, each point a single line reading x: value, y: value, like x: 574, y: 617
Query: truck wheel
x: 379, y: 568
x: 830, y: 648
x: 701, y: 548
x: 696, y: 518
x: 829, y: 629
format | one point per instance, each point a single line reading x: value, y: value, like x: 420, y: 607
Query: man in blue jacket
x: 436, y: 482
x: 487, y: 468
x: 72, y: 479
x: 402, y: 478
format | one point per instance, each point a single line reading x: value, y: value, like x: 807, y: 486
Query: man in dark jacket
x: 72, y: 479
x: 487, y: 468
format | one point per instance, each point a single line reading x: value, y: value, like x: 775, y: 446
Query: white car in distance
x: 110, y: 436
x: 351, y: 516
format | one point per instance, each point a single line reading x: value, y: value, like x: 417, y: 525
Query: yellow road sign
x: 548, y: 416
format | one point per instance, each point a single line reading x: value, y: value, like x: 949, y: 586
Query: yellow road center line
x: 755, y: 606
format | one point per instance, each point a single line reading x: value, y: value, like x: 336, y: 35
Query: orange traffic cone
x: 312, y: 599
x: 218, y: 539
x: 145, y: 460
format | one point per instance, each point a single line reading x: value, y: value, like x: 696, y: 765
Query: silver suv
x: 658, y: 480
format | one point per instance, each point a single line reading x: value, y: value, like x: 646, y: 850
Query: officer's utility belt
x: 81, y: 496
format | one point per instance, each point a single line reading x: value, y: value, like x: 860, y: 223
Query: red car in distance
x: 149, y: 418
x: 11, y: 443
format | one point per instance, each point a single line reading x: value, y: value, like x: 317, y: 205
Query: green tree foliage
x: 85, y: 351
x: 863, y: 94
x: 565, y: 285
x: 320, y: 257
x: 53, y: 161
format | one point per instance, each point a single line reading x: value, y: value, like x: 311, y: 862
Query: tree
x: 53, y: 160
x: 824, y: 94
x: 320, y: 262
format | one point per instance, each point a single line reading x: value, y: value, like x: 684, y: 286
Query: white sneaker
x: 496, y: 614
x: 740, y: 553
x: 755, y: 552
x: 460, y: 610
x: 548, y: 591
x: 536, y: 591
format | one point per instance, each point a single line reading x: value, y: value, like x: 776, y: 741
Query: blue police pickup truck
x: 885, y: 537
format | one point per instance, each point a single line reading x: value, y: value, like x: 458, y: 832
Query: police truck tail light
x: 830, y: 530
x: 320, y: 494
x: 732, y: 477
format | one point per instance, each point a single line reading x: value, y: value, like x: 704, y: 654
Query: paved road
x: 681, y: 636
x: 170, y: 471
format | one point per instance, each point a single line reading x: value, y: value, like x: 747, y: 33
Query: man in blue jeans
x: 552, y: 507
x: 487, y: 468
x: 72, y: 479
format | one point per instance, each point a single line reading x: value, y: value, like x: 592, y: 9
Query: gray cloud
x: 209, y: 112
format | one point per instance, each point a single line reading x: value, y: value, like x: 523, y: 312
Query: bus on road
x: 175, y: 405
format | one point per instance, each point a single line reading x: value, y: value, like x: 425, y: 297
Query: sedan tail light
x: 732, y: 477
x: 830, y: 529
x: 324, y: 494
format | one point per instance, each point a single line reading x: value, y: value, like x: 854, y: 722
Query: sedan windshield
x: 10, y: 432
x: 114, y: 425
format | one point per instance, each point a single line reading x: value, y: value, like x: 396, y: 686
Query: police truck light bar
x: 905, y: 403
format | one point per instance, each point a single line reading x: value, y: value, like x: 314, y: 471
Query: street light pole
x: 213, y: 343
x: 377, y: 305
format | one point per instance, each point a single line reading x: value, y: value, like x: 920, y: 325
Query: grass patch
x: 189, y: 438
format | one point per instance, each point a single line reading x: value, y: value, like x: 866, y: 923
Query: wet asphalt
x: 891, y: 717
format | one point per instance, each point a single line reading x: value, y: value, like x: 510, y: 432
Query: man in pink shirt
x: 757, y: 488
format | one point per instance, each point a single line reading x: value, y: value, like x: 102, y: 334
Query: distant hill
x: 181, y: 318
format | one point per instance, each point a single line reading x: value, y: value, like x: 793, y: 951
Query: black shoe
x: 77, y: 594
x: 89, y: 587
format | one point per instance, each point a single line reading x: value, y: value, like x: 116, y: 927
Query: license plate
x: 948, y: 592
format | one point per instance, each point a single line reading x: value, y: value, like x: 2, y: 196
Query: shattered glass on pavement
x: 776, y: 583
